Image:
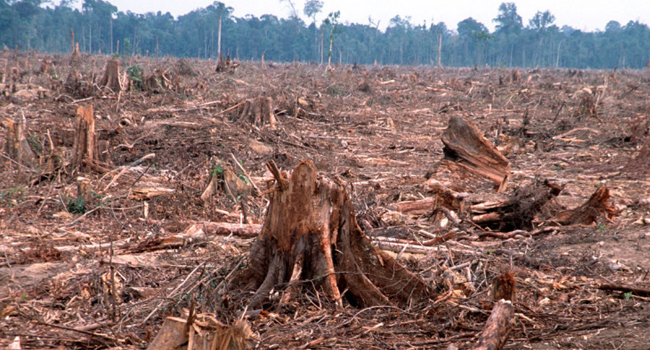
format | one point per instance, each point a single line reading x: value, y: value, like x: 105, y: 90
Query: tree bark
x: 468, y: 148
x: 310, y: 233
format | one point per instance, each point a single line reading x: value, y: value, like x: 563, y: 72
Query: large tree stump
x: 468, y: 148
x: 310, y: 234
x: 111, y: 78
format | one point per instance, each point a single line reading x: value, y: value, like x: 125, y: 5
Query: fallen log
x: 626, y: 288
x: 195, y: 234
x: 497, y: 327
x: 466, y: 147
x: 497, y: 212
x: 499, y: 324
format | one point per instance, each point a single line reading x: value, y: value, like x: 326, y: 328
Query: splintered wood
x: 466, y: 146
x: 85, y: 138
x: 203, y: 332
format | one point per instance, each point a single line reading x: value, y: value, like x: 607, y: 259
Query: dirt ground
x: 97, y: 258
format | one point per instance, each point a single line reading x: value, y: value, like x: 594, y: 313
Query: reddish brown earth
x: 92, y: 272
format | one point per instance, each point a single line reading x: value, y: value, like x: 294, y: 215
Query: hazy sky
x: 587, y: 15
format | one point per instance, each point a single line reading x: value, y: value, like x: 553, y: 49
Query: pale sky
x: 586, y: 15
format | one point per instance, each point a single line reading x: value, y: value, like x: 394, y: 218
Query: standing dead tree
x: 311, y: 237
x: 466, y: 147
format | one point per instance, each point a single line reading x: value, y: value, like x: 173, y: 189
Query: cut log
x: 499, y: 323
x: 497, y: 211
x: 497, y: 327
x: 85, y: 139
x: 587, y: 213
x: 111, y: 78
x: 310, y: 233
x: 519, y: 211
x: 468, y: 148
x: 258, y: 112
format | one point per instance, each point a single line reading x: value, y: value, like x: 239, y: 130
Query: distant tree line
x: 99, y: 26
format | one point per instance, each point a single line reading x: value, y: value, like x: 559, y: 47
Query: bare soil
x: 102, y: 267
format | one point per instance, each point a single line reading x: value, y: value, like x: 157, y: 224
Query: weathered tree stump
x: 588, y: 212
x: 468, y: 148
x: 111, y: 78
x: 258, y: 112
x: 17, y: 146
x: 310, y: 237
x: 85, y: 143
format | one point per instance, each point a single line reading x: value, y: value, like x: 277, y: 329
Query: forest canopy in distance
x: 99, y: 26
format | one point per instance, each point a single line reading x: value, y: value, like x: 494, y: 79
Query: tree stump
x: 310, y: 236
x: 468, y: 148
x: 111, y: 78
x: 17, y: 146
x: 85, y: 139
x: 588, y: 212
x: 258, y: 112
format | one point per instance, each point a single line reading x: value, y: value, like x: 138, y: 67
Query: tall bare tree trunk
x: 219, y: 41
x: 439, y: 50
